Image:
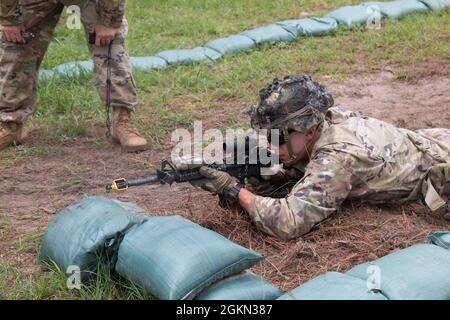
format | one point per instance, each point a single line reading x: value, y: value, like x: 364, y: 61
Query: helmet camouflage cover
x: 294, y: 103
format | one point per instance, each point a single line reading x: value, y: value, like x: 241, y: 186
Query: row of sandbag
x: 287, y: 30
x: 168, y: 256
x: 173, y: 258
x: 419, y: 272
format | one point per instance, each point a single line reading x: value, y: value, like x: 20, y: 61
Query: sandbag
x: 436, y: 5
x: 187, y: 56
x: 46, y: 74
x: 231, y: 44
x: 310, y: 26
x: 333, y: 286
x: 273, y: 32
x: 246, y: 286
x: 73, y: 69
x: 420, y: 272
x: 396, y: 9
x: 87, y: 231
x: 173, y: 258
x: 148, y: 63
x: 441, y: 239
x: 351, y: 15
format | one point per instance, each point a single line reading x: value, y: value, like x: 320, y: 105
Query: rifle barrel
x: 123, y: 184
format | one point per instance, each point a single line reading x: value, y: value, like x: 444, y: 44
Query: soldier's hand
x: 104, y: 35
x: 215, y: 181
x: 14, y: 34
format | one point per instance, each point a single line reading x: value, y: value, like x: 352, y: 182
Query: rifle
x: 168, y: 173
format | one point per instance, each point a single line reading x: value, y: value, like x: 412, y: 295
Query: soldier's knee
x: 436, y: 188
x: 290, y: 232
x: 439, y: 177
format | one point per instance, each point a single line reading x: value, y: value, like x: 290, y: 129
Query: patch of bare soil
x: 32, y: 190
x: 418, y: 101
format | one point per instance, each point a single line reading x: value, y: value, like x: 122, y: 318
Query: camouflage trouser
x: 19, y: 63
x: 434, y: 185
x: 434, y: 189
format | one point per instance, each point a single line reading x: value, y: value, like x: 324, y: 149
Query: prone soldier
x: 330, y: 155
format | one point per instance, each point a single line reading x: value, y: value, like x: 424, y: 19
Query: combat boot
x: 10, y: 132
x: 125, y: 133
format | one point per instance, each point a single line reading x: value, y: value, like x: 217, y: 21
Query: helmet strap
x: 292, y: 156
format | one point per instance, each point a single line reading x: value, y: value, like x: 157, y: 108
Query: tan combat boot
x: 125, y: 133
x: 10, y: 132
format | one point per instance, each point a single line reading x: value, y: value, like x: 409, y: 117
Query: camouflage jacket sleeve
x: 9, y: 12
x: 326, y: 184
x: 111, y: 12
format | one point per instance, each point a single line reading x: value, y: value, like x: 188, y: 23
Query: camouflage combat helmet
x: 294, y: 103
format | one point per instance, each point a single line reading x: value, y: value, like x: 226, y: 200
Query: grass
x: 29, y: 242
x: 74, y: 176
x: 69, y: 107
x: 52, y: 284
x: 36, y: 215
x: 5, y: 225
x: 174, y: 24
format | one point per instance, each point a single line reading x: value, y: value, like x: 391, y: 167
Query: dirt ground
x: 33, y: 190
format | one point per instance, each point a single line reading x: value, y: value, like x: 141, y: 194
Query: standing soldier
x: 21, y: 57
x: 343, y: 156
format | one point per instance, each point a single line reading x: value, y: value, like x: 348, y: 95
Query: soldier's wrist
x: 232, y: 193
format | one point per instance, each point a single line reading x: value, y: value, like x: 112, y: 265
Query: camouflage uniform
x: 19, y: 63
x: 358, y: 158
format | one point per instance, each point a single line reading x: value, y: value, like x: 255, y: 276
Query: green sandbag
x: 73, y: 69
x: 441, y: 239
x: 46, y: 74
x: 188, y: 56
x: 333, y: 286
x: 351, y: 15
x: 270, y: 33
x: 148, y: 63
x: 310, y: 26
x: 436, y: 5
x: 173, y: 258
x: 396, y: 9
x: 87, y: 231
x: 231, y: 44
x: 246, y: 286
x: 420, y: 272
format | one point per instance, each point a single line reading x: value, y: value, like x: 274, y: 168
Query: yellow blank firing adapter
x: 119, y: 185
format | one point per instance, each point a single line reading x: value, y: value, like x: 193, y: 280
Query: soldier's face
x: 299, y: 142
